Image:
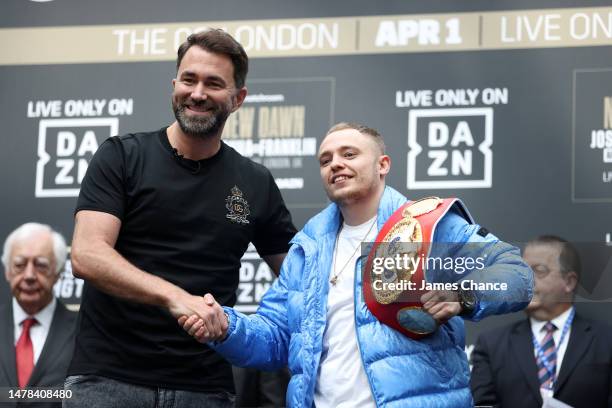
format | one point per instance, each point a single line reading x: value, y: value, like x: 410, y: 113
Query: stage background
x: 506, y: 104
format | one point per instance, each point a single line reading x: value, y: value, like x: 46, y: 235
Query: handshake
x: 205, y: 320
x: 202, y: 317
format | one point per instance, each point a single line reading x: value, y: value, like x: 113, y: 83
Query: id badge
x: 546, y: 392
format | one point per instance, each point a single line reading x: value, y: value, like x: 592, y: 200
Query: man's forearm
x: 103, y: 267
x: 110, y: 272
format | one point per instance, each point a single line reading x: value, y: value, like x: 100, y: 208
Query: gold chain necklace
x: 334, y: 279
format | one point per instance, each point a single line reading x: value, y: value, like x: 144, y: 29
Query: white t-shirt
x: 341, y: 380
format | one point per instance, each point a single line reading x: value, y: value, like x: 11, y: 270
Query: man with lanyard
x: 549, y: 312
x: 315, y: 318
x: 555, y: 353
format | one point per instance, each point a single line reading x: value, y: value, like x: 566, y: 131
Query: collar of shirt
x: 537, y: 327
x: 44, y: 317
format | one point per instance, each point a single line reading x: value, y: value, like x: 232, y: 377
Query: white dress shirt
x: 39, y: 331
x: 537, y: 328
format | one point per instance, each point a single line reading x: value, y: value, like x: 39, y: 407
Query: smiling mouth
x: 199, y: 109
x: 339, y: 179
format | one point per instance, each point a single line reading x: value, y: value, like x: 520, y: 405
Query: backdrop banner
x: 506, y: 105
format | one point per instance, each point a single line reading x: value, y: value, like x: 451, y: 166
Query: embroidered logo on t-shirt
x: 237, y: 207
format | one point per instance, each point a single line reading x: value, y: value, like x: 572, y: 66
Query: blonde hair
x: 364, y: 130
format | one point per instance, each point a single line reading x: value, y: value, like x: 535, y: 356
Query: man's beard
x: 201, y: 126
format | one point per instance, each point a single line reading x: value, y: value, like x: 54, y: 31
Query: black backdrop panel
x: 516, y: 120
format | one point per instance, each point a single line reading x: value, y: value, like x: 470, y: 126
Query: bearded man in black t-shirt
x: 162, y: 218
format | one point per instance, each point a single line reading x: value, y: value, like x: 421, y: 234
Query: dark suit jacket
x: 52, y: 365
x: 504, y: 370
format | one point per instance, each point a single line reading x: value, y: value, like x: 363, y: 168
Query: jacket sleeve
x: 495, y: 262
x: 481, y: 381
x: 261, y: 340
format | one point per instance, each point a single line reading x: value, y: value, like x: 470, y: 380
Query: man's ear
x: 239, y: 98
x: 384, y: 165
x: 571, y: 281
x: 57, y: 274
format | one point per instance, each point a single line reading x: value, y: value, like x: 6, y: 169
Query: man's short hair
x: 364, y: 130
x: 218, y: 41
x: 569, y: 259
x: 60, y: 250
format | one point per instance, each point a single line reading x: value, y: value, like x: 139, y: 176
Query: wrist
x: 226, y: 331
x: 171, y: 299
x: 467, y: 302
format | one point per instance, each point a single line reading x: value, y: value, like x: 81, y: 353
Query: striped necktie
x: 549, y: 353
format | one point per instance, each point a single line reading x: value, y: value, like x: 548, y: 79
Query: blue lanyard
x: 540, y: 353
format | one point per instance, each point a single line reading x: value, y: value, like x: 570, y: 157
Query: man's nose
x: 30, y: 272
x: 538, y: 284
x: 336, y: 162
x: 199, y: 92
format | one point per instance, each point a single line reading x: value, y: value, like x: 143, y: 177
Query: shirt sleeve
x: 103, y: 187
x: 273, y: 234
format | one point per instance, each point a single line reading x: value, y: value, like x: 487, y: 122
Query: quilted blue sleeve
x: 261, y: 340
x: 500, y: 263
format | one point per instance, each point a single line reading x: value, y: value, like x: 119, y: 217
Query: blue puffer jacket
x: 288, y: 326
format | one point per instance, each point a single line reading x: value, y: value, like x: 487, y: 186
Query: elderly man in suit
x: 555, y: 352
x: 36, y: 330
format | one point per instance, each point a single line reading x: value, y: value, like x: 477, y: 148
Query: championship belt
x: 407, y: 234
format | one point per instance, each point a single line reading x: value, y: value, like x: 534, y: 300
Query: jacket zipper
x: 357, y: 270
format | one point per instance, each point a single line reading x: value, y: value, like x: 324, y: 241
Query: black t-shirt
x: 188, y: 222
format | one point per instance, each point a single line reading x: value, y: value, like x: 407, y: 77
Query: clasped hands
x: 205, y: 320
x: 202, y: 317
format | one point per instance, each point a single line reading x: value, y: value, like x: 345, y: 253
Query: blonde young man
x: 314, y: 316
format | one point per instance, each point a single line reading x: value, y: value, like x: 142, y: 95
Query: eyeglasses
x: 541, y: 272
x: 41, y: 265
